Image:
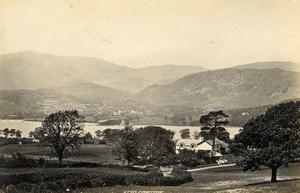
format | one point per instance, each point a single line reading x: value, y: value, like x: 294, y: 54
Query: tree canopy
x: 154, y: 143
x: 14, y: 133
x: 149, y: 144
x: 271, y: 139
x: 62, y: 131
x: 124, y: 145
x: 185, y: 133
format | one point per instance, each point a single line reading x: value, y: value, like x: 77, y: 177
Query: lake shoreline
x: 27, y: 126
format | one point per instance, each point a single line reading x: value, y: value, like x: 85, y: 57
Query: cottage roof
x: 189, y: 141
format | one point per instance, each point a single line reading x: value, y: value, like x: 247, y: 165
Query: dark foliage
x: 47, y: 182
x: 212, y: 126
x: 153, y: 143
x: 271, y: 139
x: 190, y: 158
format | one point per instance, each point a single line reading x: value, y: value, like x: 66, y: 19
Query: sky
x: 137, y: 33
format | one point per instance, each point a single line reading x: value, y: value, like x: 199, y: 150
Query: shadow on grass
x: 278, y: 181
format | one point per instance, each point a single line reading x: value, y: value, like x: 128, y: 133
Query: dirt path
x: 210, y: 167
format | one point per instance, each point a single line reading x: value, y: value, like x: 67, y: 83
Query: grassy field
x: 88, y: 152
x: 230, y: 179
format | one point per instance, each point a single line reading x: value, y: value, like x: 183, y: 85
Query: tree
x: 212, y: 126
x: 5, y: 132
x: 196, y: 135
x: 185, y: 134
x: 271, y: 139
x: 12, y: 133
x: 111, y: 135
x: 37, y: 133
x: 124, y: 145
x: 99, y: 134
x: 87, y: 136
x: 153, y: 143
x: 62, y: 131
x: 18, y: 134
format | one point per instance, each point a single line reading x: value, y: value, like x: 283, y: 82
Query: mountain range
x: 31, y: 80
x: 226, y: 89
x: 31, y: 70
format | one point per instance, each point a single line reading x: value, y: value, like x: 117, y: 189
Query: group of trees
x: 149, y: 144
x: 14, y: 133
x: 271, y: 139
x: 63, y: 131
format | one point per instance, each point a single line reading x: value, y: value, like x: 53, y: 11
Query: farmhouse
x: 201, y: 144
x: 192, y: 144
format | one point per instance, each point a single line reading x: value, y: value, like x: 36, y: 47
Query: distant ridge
x: 226, y: 89
x: 33, y: 70
x: 288, y: 66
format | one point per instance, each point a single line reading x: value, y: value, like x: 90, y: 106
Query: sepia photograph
x: 149, y: 96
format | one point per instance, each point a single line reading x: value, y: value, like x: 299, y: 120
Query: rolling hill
x: 78, y: 95
x: 226, y: 89
x: 31, y: 70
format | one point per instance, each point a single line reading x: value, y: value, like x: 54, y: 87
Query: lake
x: 27, y: 126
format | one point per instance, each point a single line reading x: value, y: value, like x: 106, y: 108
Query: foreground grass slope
x: 230, y: 179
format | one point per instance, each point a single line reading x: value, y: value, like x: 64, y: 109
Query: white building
x: 192, y: 144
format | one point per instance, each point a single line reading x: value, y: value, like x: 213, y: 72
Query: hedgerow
x: 53, y: 182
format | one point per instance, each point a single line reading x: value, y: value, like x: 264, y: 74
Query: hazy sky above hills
x: 137, y: 33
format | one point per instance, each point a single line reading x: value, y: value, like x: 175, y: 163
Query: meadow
x: 227, y: 179
x: 88, y: 152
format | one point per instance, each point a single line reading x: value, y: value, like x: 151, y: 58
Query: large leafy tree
x: 212, y: 126
x: 111, y: 135
x: 154, y: 144
x: 99, y: 134
x: 62, y: 131
x: 124, y: 145
x: 271, y: 139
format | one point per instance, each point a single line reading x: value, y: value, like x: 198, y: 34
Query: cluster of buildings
x: 202, y: 145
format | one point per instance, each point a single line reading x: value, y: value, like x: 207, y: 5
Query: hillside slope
x: 288, y: 66
x: 32, y: 70
x: 226, y: 89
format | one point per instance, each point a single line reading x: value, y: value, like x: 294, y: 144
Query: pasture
x: 227, y: 179
x: 88, y: 152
